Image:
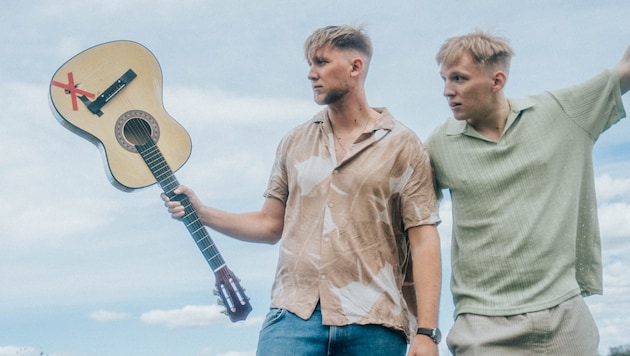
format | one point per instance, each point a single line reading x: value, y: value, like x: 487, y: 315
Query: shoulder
x: 604, y: 82
x: 406, y: 141
x: 305, y: 129
x: 449, y: 127
x: 394, y: 127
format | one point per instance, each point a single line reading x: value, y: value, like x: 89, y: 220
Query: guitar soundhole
x: 136, y: 127
x: 137, y: 131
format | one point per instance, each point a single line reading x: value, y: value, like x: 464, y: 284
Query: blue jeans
x: 284, y: 333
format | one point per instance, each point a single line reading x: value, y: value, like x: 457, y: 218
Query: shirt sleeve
x: 278, y: 187
x: 594, y: 105
x: 418, y: 197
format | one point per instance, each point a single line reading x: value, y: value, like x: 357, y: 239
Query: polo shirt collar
x: 460, y: 127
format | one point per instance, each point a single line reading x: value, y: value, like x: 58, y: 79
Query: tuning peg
x: 215, y: 292
x: 220, y: 302
x: 224, y: 311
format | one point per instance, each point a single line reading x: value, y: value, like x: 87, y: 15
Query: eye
x: 316, y: 61
x: 455, y: 78
x: 319, y: 61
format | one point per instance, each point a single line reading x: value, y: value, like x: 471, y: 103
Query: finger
x: 178, y: 214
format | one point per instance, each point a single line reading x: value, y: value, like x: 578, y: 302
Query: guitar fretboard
x: 167, y: 181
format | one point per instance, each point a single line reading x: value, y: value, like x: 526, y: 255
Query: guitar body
x: 88, y: 75
x: 111, y: 94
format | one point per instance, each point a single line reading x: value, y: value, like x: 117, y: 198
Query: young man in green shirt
x: 525, y: 245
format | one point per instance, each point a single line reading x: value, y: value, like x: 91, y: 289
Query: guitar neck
x: 167, y: 181
x: 228, y: 286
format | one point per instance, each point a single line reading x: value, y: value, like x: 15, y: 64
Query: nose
x: 312, y: 74
x: 448, y: 90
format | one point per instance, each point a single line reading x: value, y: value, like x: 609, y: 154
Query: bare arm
x: 264, y: 226
x: 623, y: 70
x: 427, y: 276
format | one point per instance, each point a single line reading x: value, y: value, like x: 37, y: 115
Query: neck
x: 349, y: 124
x: 348, y: 115
x: 493, y: 123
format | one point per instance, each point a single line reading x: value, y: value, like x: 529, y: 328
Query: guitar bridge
x: 96, y: 105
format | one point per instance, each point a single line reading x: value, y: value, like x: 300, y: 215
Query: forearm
x: 250, y: 227
x: 264, y: 226
x: 427, y: 273
x: 427, y: 276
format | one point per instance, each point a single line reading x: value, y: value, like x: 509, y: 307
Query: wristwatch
x: 434, y: 334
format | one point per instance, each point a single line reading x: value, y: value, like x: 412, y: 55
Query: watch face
x: 437, y: 336
x: 434, y: 334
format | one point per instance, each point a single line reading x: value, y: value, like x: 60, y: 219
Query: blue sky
x: 86, y: 269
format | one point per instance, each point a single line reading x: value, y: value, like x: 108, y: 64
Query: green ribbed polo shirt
x: 525, y: 228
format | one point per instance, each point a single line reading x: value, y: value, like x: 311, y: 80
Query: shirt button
x: 335, y: 171
x: 323, y: 277
x: 330, y: 205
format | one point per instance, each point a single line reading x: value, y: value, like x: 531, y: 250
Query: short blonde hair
x: 487, y: 50
x: 341, y: 37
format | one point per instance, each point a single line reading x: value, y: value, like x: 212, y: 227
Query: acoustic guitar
x: 111, y: 95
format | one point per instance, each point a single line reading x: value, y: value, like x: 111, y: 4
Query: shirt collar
x: 459, y: 127
x: 385, y: 121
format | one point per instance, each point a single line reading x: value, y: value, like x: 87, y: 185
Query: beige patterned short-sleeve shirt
x: 344, y: 242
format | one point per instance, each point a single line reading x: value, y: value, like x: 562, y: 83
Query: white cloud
x: 234, y: 353
x: 229, y: 108
x: 18, y: 351
x: 250, y: 321
x: 445, y: 227
x: 210, y: 351
x: 614, y: 327
x: 186, y: 317
x: 105, y: 316
x: 609, y: 188
x: 28, y: 351
x: 114, y: 7
x: 75, y: 215
x: 68, y: 47
x: 614, y: 221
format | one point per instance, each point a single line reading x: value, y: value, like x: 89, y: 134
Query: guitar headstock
x: 232, y: 295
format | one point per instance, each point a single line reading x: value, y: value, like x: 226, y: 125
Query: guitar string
x: 142, y: 130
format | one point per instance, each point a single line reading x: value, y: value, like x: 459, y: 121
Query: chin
x: 319, y: 100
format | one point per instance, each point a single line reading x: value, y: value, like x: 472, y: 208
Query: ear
x: 357, y: 66
x: 499, y: 78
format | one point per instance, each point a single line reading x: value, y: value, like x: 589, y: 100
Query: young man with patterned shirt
x: 352, y: 202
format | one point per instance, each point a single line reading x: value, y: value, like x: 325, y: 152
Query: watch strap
x: 433, y: 333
